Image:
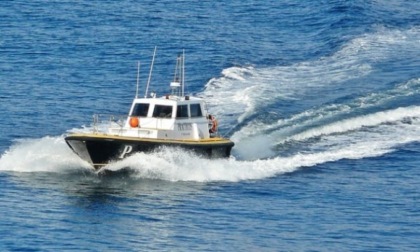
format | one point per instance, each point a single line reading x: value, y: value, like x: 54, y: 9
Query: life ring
x: 134, y: 122
x: 214, y: 124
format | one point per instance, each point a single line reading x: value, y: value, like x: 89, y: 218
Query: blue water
x: 322, y: 99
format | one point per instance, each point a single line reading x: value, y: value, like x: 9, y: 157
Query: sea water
x: 322, y: 99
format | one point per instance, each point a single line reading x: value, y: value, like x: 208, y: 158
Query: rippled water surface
x: 322, y: 100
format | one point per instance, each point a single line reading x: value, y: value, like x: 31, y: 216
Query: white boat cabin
x: 168, y: 117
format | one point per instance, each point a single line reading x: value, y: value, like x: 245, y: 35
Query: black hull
x: 100, y: 150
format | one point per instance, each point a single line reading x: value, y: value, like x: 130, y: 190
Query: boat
x: 172, y: 120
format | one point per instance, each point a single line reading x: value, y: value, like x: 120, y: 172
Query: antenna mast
x: 183, y: 71
x: 150, y: 73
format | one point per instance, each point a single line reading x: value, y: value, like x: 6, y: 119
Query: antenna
x: 150, y: 73
x: 183, y: 72
x: 138, y: 77
x: 176, y: 83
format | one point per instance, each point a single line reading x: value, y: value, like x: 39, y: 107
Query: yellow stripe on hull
x: 213, y: 140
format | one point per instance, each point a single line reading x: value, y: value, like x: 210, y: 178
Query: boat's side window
x: 195, y: 110
x: 140, y: 109
x: 163, y: 111
x: 182, y: 111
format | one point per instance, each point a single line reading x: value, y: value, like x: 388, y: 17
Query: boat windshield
x: 195, y: 110
x: 182, y: 111
x: 140, y: 109
x: 164, y: 111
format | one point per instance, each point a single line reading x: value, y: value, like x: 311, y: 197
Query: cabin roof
x: 169, y: 100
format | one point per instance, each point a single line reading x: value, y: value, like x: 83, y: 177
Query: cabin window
x: 162, y: 111
x: 182, y: 111
x: 196, y: 110
x: 140, y: 109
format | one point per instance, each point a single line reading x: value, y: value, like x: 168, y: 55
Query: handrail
x: 102, y: 121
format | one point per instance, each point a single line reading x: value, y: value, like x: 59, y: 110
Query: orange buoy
x: 134, y: 122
